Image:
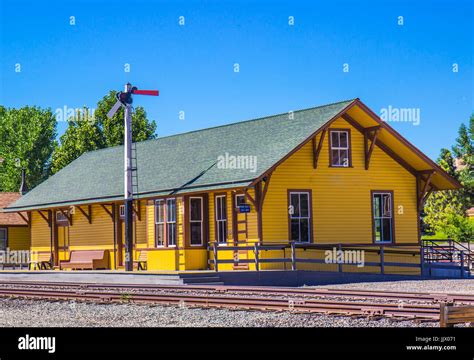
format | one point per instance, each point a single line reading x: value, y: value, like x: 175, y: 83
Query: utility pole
x: 125, y: 99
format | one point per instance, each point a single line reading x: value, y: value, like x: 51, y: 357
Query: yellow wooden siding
x: 150, y: 223
x: 19, y: 238
x: 341, y: 200
x: 99, y: 235
x: 40, y: 233
x: 140, y: 226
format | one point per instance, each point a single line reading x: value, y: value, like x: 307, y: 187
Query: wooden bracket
x: 88, y: 214
x: 267, y: 183
x: 317, y: 150
x: 48, y: 218
x: 27, y: 218
x: 425, y: 176
x: 111, y: 214
x: 66, y: 214
x: 137, y: 210
x: 250, y: 198
x: 371, y: 134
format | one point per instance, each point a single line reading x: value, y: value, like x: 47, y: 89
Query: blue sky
x: 282, y: 67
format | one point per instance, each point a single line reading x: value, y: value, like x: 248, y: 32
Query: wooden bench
x: 42, y: 262
x: 142, y: 262
x: 14, y: 265
x: 451, y: 315
x: 86, y: 260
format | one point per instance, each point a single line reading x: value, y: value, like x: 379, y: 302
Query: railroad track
x: 461, y: 299
x: 266, y: 299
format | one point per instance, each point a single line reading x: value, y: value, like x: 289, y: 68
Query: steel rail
x: 317, y: 292
x: 426, y: 312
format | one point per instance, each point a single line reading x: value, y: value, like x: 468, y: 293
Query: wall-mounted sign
x: 245, y: 208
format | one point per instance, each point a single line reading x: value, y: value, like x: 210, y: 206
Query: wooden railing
x: 451, y: 315
x: 381, y: 250
x: 438, y: 251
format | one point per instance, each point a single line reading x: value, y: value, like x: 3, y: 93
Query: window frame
x: 348, y: 149
x: 173, y: 222
x: 309, y: 217
x: 63, y: 221
x: 237, y: 202
x: 392, y: 218
x: 201, y: 198
x: 5, y: 229
x: 218, y: 221
x: 165, y: 222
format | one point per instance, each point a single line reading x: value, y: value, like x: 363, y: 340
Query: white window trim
x: 221, y: 220
x: 160, y: 223
x: 195, y: 221
x: 383, y: 217
x: 300, y: 217
x: 240, y: 195
x: 332, y: 147
x: 171, y: 222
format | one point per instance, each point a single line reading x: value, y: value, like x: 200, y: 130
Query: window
x: 159, y: 223
x: 383, y: 216
x: 240, y: 200
x: 340, y: 153
x: 221, y: 219
x: 171, y: 221
x: 196, y: 221
x: 61, y: 218
x: 300, y: 216
x: 122, y: 211
x: 3, y: 239
x: 165, y: 222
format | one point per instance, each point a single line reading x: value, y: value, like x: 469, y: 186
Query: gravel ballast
x: 40, y: 313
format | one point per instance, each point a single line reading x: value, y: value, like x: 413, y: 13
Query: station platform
x: 243, y: 278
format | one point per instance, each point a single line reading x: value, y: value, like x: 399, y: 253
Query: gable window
x: 165, y: 222
x: 383, y: 216
x: 300, y: 216
x: 221, y: 219
x: 196, y: 221
x: 3, y: 239
x: 340, y: 148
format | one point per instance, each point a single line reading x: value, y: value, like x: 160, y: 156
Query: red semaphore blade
x: 146, y: 92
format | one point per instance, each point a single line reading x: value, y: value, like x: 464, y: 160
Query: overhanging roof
x: 187, y: 163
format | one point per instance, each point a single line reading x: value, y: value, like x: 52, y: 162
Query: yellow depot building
x: 280, y: 192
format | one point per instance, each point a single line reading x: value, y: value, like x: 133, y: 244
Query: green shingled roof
x: 181, y: 163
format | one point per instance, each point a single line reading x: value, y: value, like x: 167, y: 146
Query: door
x: 240, y: 230
x: 63, y: 243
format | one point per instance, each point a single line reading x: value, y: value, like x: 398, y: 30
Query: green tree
x: 445, y: 211
x: 27, y: 140
x: 80, y: 136
x: 85, y: 133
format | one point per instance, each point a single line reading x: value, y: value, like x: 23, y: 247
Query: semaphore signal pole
x: 125, y: 99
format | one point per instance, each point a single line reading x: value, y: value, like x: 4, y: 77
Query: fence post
x: 422, y: 259
x: 382, y: 260
x: 214, y: 246
x: 461, y: 258
x: 256, y: 251
x: 293, y: 256
x: 339, y: 263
